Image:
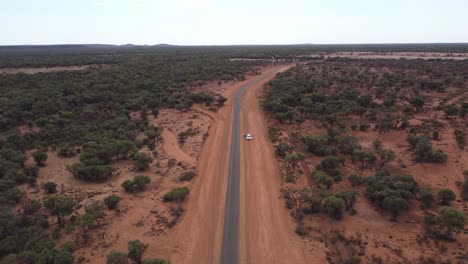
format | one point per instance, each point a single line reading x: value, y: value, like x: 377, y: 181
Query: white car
x: 249, y: 136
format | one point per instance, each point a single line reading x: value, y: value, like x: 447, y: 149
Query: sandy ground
x: 48, y: 69
x: 267, y: 232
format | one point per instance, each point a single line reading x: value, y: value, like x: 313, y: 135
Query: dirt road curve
x: 265, y: 231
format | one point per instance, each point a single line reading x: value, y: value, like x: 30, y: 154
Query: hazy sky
x: 204, y: 22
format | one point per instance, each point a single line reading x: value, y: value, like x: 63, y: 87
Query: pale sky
x: 221, y: 22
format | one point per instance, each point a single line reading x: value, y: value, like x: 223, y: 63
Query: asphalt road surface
x: 230, y: 243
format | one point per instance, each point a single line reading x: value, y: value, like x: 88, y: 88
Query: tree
x: 451, y: 220
x: 384, y: 156
x: 96, y: 210
x: 142, y: 161
x: 427, y: 198
x: 334, y: 206
x: 39, y: 157
x: 84, y: 223
x: 364, y: 156
x: 349, y: 197
x: 446, y: 196
x: 115, y: 257
x: 112, y: 201
x: 136, y: 250
x: 395, y: 205
x: 331, y: 166
x: 417, y: 101
x: 391, y: 192
x: 60, y: 206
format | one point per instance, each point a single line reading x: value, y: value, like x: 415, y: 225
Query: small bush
x: 301, y: 230
x: 142, y: 161
x: 115, y: 257
x: 49, y: 187
x: 364, y: 127
x: 39, y: 157
x: 187, y: 176
x: 136, y: 250
x: 426, y: 198
x: 177, y: 194
x: 138, y: 183
x: 112, y: 201
x: 446, y: 196
x: 334, y: 206
x: 31, y: 171
x: 322, y: 180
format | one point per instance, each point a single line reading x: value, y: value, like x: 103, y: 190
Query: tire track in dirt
x: 172, y: 148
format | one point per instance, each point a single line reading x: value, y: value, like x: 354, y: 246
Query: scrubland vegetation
x: 88, y: 113
x: 101, y: 117
x: 330, y: 122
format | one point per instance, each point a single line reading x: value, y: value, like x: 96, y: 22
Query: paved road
x: 230, y: 244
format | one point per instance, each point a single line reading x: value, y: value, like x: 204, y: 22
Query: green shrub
x: 136, y: 250
x: 138, y: 183
x: 49, y: 187
x: 115, y: 257
x: 177, y: 194
x: 427, y: 198
x: 112, y: 201
x: 450, y: 219
x: 301, y: 230
x: 446, y: 196
x: 322, y: 180
x: 391, y: 192
x: 334, y: 206
x: 142, y: 161
x: 364, y: 127
x: 39, y: 157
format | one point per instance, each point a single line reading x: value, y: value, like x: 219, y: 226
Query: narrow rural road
x: 234, y: 214
x: 230, y: 246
